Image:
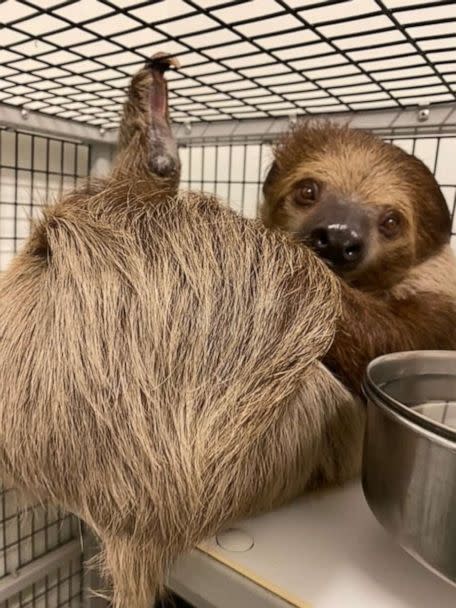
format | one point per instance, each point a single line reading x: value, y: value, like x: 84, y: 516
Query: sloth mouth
x: 340, y: 267
x: 347, y: 271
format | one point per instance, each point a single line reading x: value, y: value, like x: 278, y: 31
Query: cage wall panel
x: 234, y: 172
x: 60, y: 589
x: 33, y: 170
x: 26, y: 535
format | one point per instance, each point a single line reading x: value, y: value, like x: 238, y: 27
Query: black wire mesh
x: 33, y: 170
x: 240, y: 59
x: 233, y: 171
x: 28, y: 535
x: 60, y: 589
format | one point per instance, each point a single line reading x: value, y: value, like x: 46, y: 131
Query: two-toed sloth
x: 376, y: 215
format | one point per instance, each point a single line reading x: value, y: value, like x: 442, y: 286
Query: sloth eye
x: 390, y: 224
x: 306, y: 192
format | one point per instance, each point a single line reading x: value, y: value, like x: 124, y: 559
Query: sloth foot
x: 164, y: 157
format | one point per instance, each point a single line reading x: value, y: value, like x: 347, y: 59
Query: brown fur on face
x: 160, y: 363
x: 402, y: 296
x: 359, y: 170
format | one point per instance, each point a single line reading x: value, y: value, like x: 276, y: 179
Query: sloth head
x: 367, y: 208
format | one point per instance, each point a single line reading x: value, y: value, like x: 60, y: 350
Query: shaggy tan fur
x: 160, y: 366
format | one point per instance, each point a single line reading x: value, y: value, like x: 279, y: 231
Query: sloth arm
x: 370, y: 327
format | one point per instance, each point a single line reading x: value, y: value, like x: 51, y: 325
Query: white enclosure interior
x: 248, y: 68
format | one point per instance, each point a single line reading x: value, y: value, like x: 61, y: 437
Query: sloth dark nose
x: 339, y: 244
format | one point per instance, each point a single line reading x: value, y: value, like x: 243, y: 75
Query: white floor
x: 325, y: 550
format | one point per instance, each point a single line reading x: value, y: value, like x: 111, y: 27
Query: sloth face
x: 347, y: 232
x: 367, y: 208
x: 357, y: 230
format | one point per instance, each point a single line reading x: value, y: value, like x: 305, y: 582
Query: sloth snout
x: 339, y: 244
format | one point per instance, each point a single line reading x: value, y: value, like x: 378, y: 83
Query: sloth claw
x: 162, y: 62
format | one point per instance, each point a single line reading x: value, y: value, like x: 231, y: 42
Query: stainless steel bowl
x: 409, y: 464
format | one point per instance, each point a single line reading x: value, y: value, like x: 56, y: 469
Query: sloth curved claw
x: 162, y: 62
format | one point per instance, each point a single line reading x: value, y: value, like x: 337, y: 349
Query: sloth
x: 161, y: 368
x: 378, y: 219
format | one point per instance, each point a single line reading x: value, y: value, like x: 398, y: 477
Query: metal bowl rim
x: 413, y: 425
x: 380, y: 398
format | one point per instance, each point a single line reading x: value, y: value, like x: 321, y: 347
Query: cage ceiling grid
x: 239, y: 59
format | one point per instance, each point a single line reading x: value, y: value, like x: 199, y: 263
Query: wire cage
x: 33, y: 169
x: 27, y: 538
x: 248, y: 68
x: 240, y: 59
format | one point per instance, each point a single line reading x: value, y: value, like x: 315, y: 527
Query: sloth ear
x: 269, y: 204
x: 271, y: 177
